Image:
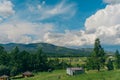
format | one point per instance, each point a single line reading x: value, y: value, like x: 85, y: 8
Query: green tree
x: 4, y: 70
x: 4, y: 57
x: 117, y: 59
x: 110, y: 65
x: 90, y: 64
x: 14, y: 55
x: 14, y: 71
x: 23, y: 61
x: 14, y: 65
x: 97, y: 58
x: 41, y: 61
x: 32, y: 61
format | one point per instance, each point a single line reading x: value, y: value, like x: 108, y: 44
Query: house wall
x: 74, y: 72
x: 4, y: 79
x: 70, y: 72
x: 78, y: 72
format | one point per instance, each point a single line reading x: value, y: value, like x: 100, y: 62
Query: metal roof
x: 75, y: 68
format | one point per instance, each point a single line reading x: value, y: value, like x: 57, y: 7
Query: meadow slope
x: 61, y: 75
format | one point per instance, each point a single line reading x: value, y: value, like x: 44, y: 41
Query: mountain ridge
x: 49, y: 49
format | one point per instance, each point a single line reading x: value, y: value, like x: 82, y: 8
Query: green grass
x: 61, y: 75
x: 73, y: 60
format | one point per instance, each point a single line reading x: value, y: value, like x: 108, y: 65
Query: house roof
x: 4, y: 76
x: 76, y: 68
x: 27, y: 73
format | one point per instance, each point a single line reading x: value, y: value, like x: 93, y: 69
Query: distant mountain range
x: 49, y: 49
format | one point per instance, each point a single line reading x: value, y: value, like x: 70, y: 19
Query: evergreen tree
x: 32, y: 61
x: 41, y: 60
x: 97, y: 58
x: 4, y: 70
x: 117, y: 59
x: 23, y: 61
x: 14, y: 55
x: 4, y: 57
x: 110, y: 65
x: 14, y: 65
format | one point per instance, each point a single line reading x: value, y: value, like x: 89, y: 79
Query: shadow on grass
x: 18, y: 77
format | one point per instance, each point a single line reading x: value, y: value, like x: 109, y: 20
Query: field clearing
x: 61, y: 75
x: 74, y: 61
x: 88, y: 75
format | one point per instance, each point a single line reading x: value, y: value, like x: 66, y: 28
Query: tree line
x: 16, y: 62
x: 100, y: 60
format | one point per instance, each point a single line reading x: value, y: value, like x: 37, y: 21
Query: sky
x: 60, y: 22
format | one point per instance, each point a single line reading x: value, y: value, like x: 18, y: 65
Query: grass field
x: 61, y: 75
x: 73, y: 60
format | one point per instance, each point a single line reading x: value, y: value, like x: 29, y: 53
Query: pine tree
x: 14, y: 65
x: 117, y: 59
x: 4, y: 57
x: 41, y: 60
x: 110, y: 65
x: 24, y: 58
x: 97, y: 58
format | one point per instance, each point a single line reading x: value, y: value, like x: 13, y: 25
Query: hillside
x: 61, y: 75
x: 49, y: 49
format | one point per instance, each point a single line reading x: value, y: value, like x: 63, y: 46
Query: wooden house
x: 74, y: 71
x: 27, y: 74
x: 4, y: 77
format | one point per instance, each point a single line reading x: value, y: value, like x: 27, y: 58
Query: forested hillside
x: 49, y: 49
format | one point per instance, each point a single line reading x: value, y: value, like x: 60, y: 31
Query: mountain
x: 49, y: 49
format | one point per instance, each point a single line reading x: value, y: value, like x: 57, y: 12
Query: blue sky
x: 83, y: 9
x: 60, y: 22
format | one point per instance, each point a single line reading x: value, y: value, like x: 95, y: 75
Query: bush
x: 4, y: 70
x: 110, y: 65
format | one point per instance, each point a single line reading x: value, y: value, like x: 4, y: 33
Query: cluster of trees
x: 16, y: 61
x: 99, y: 60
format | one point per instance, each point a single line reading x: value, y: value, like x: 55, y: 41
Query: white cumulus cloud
x: 70, y: 38
x: 6, y: 9
x: 104, y: 24
x: 18, y: 30
x: 106, y: 17
x: 112, y: 1
x: 23, y: 32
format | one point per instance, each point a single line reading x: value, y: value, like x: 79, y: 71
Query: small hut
x: 4, y: 77
x: 27, y: 74
x: 74, y: 71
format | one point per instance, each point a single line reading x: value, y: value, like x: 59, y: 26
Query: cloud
x: 105, y: 17
x: 23, y: 32
x: 6, y: 9
x: 59, y: 9
x: 112, y: 1
x: 70, y: 38
x: 18, y: 29
x: 104, y: 24
x: 44, y: 11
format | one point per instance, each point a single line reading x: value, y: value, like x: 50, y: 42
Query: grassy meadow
x: 90, y: 75
x: 74, y: 61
